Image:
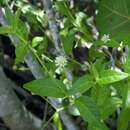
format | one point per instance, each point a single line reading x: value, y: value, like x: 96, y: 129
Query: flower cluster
x: 60, y: 63
x: 105, y: 38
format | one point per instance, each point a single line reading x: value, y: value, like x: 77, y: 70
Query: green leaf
x: 100, y: 94
x: 9, y: 16
x: 111, y: 43
x: 106, y: 103
x: 89, y: 111
x: 5, y: 30
x: 123, y: 120
x: 109, y: 106
x: 20, y: 51
x: 21, y: 30
x: 16, y: 20
x: 127, y: 64
x: 37, y: 40
x: 47, y: 87
x: 110, y: 76
x: 114, y: 18
x: 81, y: 25
x: 126, y: 95
x: 92, y: 127
x: 40, y: 44
x: 18, y: 26
x: 79, y: 22
x: 68, y: 38
x: 2, y: 2
x: 94, y: 71
x: 82, y: 84
x: 63, y: 8
x: 80, y: 19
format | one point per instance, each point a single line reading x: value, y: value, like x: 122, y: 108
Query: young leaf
x: 9, y: 16
x: 111, y: 76
x: 37, y: 40
x: 80, y: 24
x: 47, y: 87
x: 5, y: 30
x: 89, y: 111
x: 82, y: 85
x: 16, y: 20
x: 68, y: 38
x: 21, y: 30
x: 17, y: 25
x: 20, y: 51
x: 113, y: 18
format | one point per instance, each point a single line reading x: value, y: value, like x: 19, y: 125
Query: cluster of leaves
x: 103, y: 90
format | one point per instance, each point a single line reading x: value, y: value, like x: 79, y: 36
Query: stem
x: 69, y: 124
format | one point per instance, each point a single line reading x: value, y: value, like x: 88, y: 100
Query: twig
x: 45, y: 112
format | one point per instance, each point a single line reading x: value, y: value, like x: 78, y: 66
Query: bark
x: 12, y: 111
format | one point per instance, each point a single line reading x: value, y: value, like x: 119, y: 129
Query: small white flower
x: 60, y: 63
x: 105, y: 38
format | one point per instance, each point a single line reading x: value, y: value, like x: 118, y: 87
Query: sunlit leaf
x: 111, y: 76
x: 36, y: 41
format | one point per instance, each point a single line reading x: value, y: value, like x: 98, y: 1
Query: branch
x: 53, y: 26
